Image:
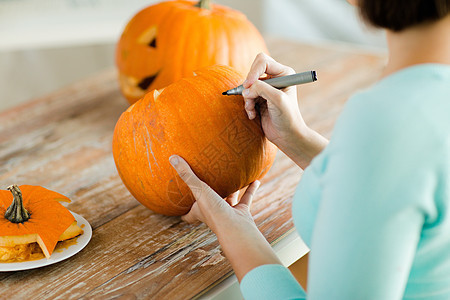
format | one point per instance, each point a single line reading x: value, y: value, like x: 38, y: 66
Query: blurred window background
x: 48, y: 44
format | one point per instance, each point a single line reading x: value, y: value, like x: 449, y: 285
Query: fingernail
x: 174, y: 160
x: 245, y: 92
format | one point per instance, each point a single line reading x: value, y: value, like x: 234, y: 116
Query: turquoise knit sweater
x: 374, y: 206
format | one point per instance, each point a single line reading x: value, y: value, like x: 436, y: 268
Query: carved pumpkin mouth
x: 147, y: 81
x: 136, y: 86
x: 133, y: 88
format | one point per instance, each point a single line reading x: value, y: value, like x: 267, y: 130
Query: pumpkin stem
x: 16, y: 213
x: 205, y: 4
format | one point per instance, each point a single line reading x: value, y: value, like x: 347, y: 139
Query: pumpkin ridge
x: 168, y: 19
x: 183, y: 40
x: 141, y: 108
x: 148, y: 144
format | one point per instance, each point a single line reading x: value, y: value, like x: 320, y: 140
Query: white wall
x: 318, y: 21
x: 51, y: 43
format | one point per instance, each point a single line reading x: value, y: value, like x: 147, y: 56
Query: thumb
x: 190, y: 217
x: 250, y: 192
x: 185, y: 172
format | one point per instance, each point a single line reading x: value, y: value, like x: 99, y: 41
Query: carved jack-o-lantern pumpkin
x: 169, y: 40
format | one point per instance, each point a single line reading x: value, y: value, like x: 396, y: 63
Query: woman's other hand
x: 209, y: 207
x: 241, y: 241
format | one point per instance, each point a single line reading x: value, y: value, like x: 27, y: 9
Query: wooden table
x: 63, y: 141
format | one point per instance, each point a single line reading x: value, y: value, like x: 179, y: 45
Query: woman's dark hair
x: 397, y: 15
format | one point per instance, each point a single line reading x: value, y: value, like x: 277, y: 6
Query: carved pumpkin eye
x: 148, y: 37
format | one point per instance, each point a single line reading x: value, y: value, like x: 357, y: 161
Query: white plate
x: 63, y: 254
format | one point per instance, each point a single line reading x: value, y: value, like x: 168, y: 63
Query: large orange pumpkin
x: 169, y: 40
x: 193, y: 119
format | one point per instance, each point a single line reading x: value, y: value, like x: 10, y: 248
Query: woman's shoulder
x: 402, y: 117
x: 425, y: 85
x: 413, y: 100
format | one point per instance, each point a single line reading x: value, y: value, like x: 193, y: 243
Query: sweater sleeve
x: 271, y: 282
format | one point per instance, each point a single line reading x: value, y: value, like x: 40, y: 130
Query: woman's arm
x: 241, y: 241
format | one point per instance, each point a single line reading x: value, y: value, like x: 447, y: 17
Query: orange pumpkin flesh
x: 47, y: 221
x: 193, y: 119
x: 169, y: 40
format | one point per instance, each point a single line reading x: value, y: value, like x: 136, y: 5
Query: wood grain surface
x: 63, y: 142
